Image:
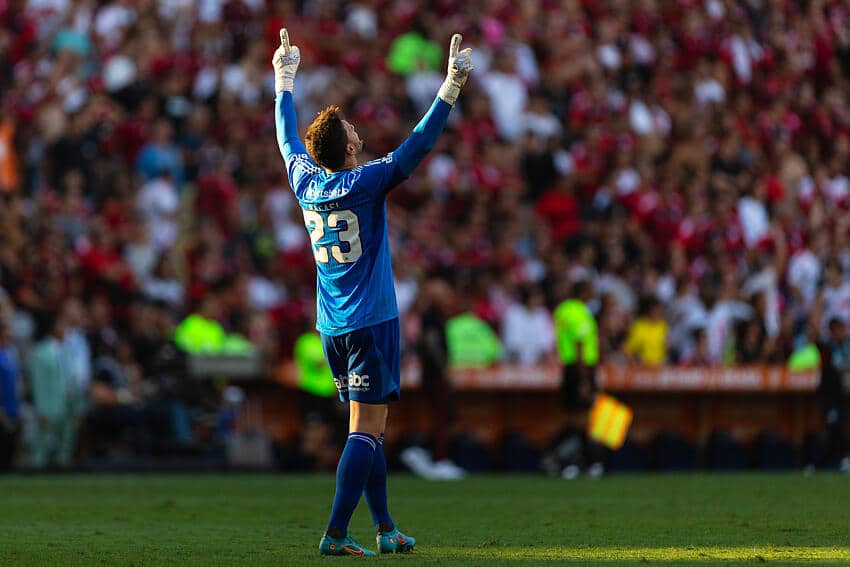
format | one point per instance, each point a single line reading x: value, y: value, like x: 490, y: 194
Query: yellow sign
x: 609, y: 421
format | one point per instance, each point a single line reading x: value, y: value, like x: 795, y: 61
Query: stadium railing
x: 693, y: 402
x: 618, y: 378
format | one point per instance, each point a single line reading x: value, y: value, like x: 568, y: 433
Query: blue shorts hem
x: 393, y: 396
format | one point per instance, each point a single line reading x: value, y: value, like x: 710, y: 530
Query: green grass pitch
x: 205, y: 520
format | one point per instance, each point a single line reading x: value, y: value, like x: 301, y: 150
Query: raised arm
x: 285, y: 62
x: 286, y: 125
x: 422, y: 139
x: 414, y: 149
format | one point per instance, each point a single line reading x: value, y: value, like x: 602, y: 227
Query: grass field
x: 698, y: 520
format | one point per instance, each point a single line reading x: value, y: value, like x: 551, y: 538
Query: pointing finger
x: 284, y: 40
x: 455, y: 45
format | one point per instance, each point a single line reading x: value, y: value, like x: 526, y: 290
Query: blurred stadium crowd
x: 686, y: 157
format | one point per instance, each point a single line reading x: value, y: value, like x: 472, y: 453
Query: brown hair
x: 326, y: 139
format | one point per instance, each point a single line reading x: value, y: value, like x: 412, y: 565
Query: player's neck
x: 350, y: 163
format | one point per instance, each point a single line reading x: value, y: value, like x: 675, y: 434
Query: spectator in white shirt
x: 159, y: 203
x: 508, y: 94
x: 527, y: 328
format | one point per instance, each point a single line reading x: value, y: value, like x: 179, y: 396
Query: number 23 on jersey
x: 348, y: 234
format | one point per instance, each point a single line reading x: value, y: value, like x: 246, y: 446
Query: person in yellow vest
x: 201, y: 332
x: 577, y: 336
x: 319, y: 399
x: 314, y: 374
x: 647, y: 339
x: 472, y: 342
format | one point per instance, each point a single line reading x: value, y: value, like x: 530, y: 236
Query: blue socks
x: 362, y: 466
x: 352, y: 473
x: 376, y: 490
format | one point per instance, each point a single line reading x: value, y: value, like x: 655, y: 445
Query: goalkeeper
x: 344, y: 209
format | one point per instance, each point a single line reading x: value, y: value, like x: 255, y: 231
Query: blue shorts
x: 366, y: 363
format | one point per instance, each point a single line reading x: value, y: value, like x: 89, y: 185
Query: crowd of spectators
x: 690, y: 158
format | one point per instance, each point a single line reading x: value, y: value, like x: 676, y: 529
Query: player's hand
x: 285, y: 62
x: 460, y: 66
x: 460, y: 62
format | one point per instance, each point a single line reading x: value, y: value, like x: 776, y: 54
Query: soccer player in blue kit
x: 344, y: 206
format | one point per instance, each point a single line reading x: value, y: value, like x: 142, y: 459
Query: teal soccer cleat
x: 394, y: 542
x: 344, y: 546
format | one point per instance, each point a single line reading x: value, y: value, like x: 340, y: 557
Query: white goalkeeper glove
x: 285, y: 62
x: 460, y: 66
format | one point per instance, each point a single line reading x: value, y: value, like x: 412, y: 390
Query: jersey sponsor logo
x: 354, y: 381
x: 319, y: 188
x: 315, y: 192
x: 357, y: 382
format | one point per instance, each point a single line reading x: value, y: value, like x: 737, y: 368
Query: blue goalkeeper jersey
x: 345, y: 214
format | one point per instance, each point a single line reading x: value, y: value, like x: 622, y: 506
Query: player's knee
x: 368, y: 418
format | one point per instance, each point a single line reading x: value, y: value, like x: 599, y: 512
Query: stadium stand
x: 690, y: 158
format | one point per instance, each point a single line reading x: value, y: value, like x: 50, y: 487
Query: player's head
x: 331, y: 140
